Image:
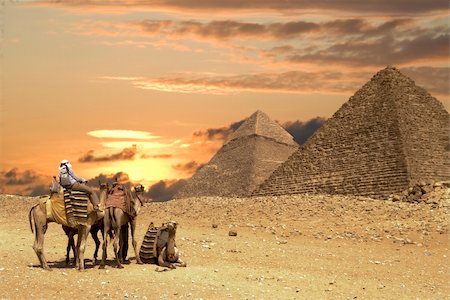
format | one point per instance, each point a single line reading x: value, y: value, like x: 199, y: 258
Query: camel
x: 38, y: 219
x: 169, y: 256
x: 114, y: 219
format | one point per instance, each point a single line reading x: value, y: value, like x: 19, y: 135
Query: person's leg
x: 84, y: 188
x: 124, y: 233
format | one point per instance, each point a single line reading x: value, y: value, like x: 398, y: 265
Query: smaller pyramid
x: 244, y: 161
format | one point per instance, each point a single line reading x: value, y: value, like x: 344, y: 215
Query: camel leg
x: 134, y: 243
x: 106, y: 228
x: 179, y: 262
x: 40, y: 227
x: 83, y: 232
x: 116, y: 245
x: 97, y: 244
x: 71, y: 245
x: 162, y: 262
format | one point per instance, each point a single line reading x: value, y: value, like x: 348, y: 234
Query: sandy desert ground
x: 290, y: 247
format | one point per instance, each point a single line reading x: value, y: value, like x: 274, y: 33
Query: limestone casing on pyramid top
x: 261, y: 125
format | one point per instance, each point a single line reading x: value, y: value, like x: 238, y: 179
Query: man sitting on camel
x: 69, y: 180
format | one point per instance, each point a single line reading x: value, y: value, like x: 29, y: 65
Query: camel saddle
x: 77, y: 207
x: 154, y: 240
x: 120, y: 196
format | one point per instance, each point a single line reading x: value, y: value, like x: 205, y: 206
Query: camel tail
x: 31, y: 218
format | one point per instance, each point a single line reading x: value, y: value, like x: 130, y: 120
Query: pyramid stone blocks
x: 250, y: 155
x: 390, y: 134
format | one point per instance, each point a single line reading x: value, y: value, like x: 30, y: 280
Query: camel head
x: 171, y: 226
x: 138, y: 200
x: 139, y: 189
x: 103, y: 185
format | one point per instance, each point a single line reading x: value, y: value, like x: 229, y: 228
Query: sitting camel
x: 114, y: 219
x: 168, y: 255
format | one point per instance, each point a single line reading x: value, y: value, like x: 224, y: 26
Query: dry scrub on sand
x: 290, y: 247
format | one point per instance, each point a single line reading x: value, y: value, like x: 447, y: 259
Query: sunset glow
x: 122, y: 134
x: 153, y: 88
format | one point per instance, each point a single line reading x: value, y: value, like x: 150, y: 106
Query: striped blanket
x: 77, y: 206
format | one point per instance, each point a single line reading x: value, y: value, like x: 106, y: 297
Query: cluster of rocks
x: 429, y: 192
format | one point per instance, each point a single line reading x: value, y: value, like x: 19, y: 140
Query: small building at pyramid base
x: 389, y: 135
x: 250, y: 155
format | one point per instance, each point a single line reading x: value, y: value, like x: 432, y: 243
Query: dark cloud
x: 164, y: 190
x: 301, y: 131
x: 221, y: 6
x: 15, y: 177
x: 125, y: 154
x: 229, y: 29
x: 39, y: 190
x: 24, y: 182
x: 122, y: 177
x: 386, y: 50
x: 221, y: 133
x: 189, y: 167
x: 434, y: 79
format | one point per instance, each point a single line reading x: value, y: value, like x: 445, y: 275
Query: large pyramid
x: 390, y: 134
x: 249, y: 156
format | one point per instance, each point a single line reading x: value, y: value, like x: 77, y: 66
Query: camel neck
x: 171, y: 241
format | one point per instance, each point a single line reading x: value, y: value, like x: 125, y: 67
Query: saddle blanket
x: 77, y: 207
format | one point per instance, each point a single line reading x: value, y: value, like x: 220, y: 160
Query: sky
x: 149, y: 90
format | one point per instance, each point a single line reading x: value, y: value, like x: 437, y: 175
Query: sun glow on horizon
x: 123, y: 134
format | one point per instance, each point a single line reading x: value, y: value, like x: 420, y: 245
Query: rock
x: 232, y: 232
x: 396, y: 198
x: 214, y: 225
x: 427, y: 189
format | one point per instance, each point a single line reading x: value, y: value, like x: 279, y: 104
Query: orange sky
x: 119, y: 86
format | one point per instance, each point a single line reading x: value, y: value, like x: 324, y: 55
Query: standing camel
x: 39, y: 219
x: 114, y: 219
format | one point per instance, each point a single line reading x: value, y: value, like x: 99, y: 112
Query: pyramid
x: 244, y: 161
x: 390, y: 134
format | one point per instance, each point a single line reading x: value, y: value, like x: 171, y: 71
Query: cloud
x: 238, y: 6
x: 164, y: 190
x: 385, y: 50
x: 162, y: 156
x: 189, y: 168
x: 225, y: 30
x: 221, y: 133
x: 435, y: 79
x: 123, y: 134
x: 125, y: 154
x: 238, y: 30
x: 24, y: 182
x: 286, y: 82
x: 121, y: 177
x: 302, y: 131
x: 15, y: 177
